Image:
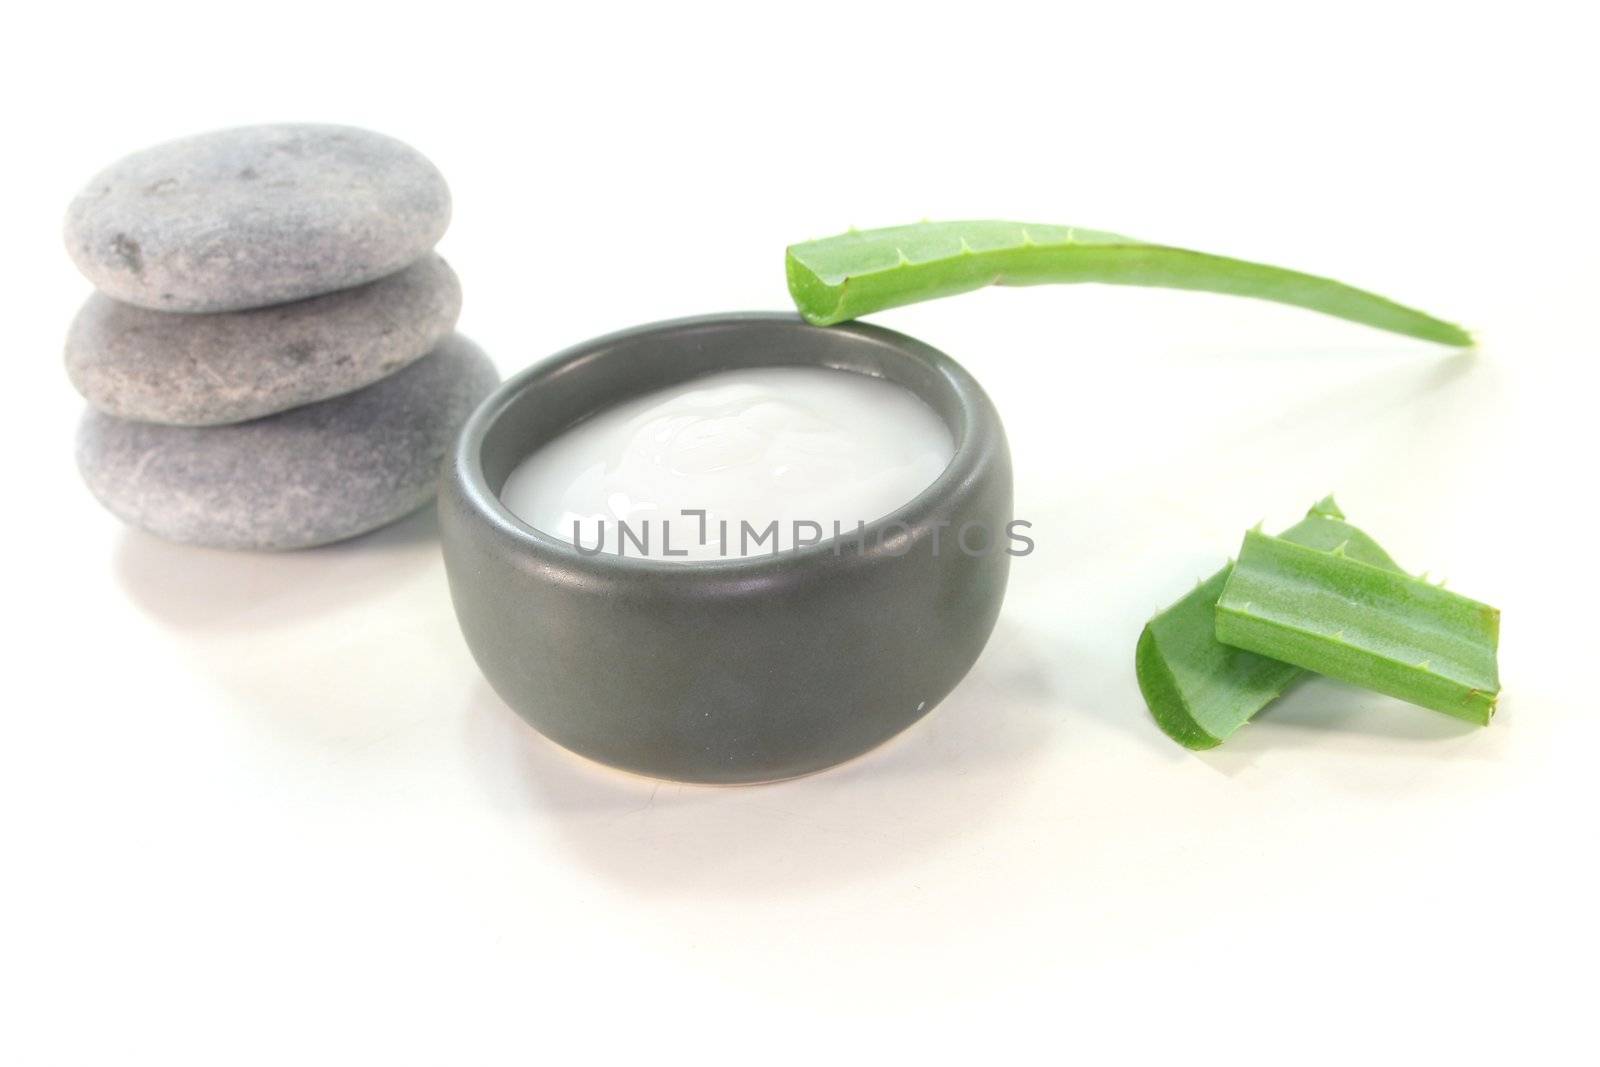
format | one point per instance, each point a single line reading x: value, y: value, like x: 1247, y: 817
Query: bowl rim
x: 973, y: 435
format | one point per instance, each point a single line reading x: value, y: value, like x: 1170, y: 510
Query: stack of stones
x: 269, y: 361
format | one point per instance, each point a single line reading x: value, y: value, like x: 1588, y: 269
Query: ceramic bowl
x: 727, y: 670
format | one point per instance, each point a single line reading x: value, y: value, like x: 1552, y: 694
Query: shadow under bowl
x: 730, y: 670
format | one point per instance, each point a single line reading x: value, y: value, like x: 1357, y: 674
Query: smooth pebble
x: 201, y: 370
x: 315, y: 474
x: 256, y: 215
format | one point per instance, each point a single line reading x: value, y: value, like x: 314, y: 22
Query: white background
x: 264, y: 809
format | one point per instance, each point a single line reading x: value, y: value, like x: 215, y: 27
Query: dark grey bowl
x: 738, y: 670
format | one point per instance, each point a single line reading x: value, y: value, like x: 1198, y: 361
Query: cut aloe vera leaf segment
x: 1371, y: 626
x: 863, y: 271
x: 1199, y: 690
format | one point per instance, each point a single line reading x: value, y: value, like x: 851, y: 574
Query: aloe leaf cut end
x: 1199, y: 690
x: 860, y: 272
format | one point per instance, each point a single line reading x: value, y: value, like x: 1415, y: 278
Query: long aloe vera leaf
x: 1199, y: 690
x: 859, y: 272
x: 1377, y: 628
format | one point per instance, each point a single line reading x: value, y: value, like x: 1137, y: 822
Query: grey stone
x: 256, y: 215
x: 303, y: 477
x: 200, y: 370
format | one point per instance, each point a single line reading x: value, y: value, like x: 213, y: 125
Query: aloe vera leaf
x: 1199, y: 690
x: 859, y: 272
x: 1377, y: 628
